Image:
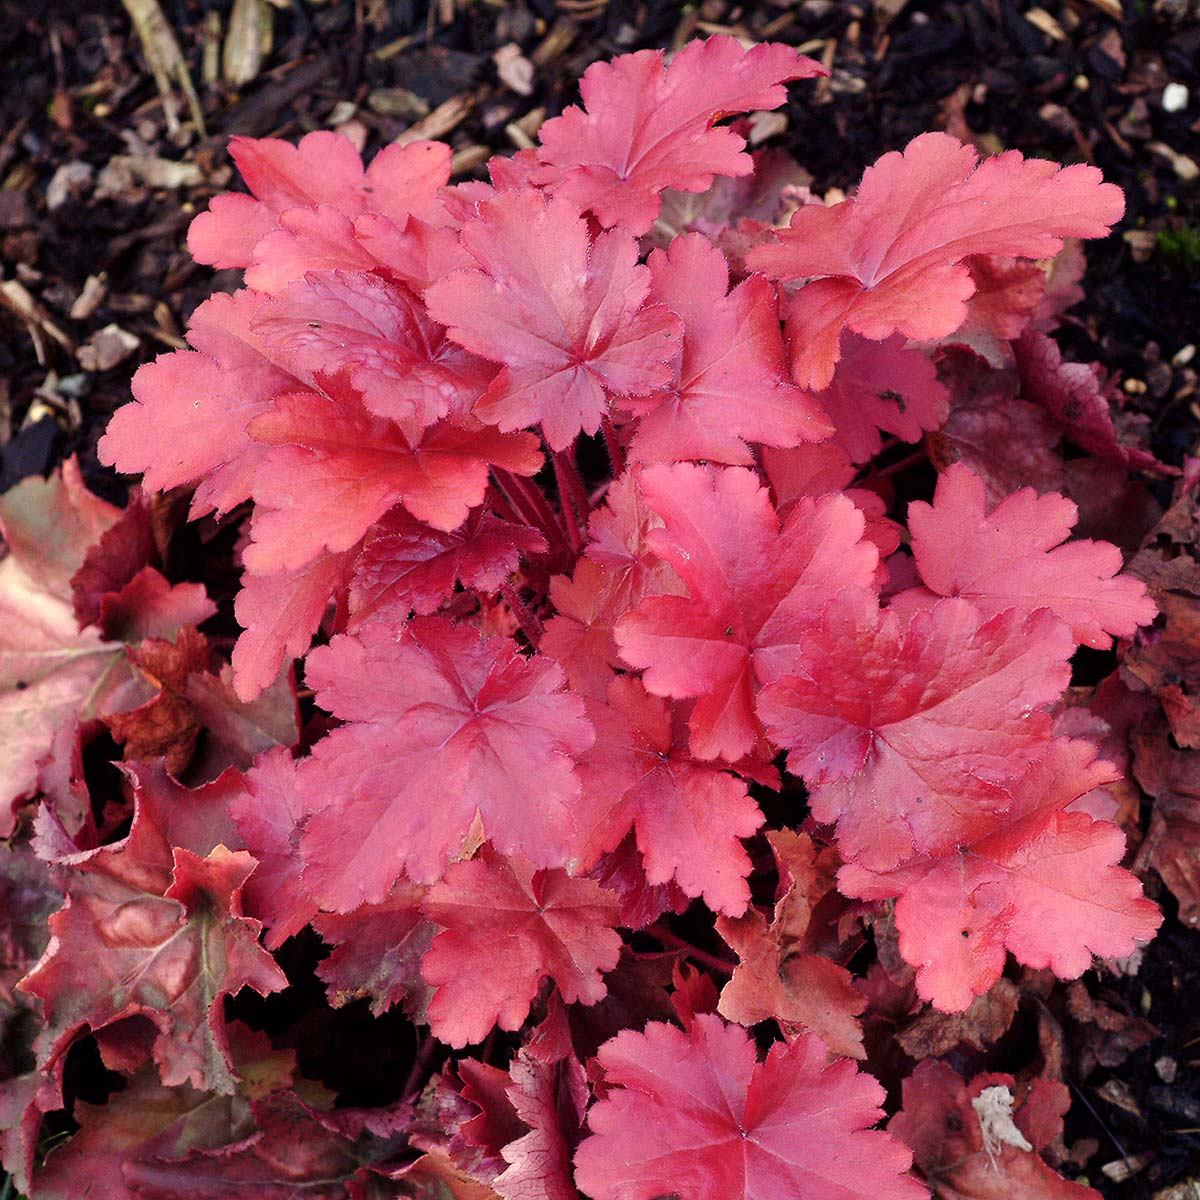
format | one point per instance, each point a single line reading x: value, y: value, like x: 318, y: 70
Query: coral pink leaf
x: 269, y: 812
x: 908, y: 735
x: 753, y: 589
x: 883, y: 387
x: 1011, y: 557
x: 442, y: 728
x: 323, y: 169
x: 645, y: 127
x: 280, y: 612
x: 378, y: 337
x: 192, y: 408
x: 513, y: 925
x: 1043, y: 882
x: 566, y: 320
x: 334, y: 469
x: 891, y: 259
x: 408, y: 566
x: 306, y: 239
x: 689, y: 817
x: 733, y: 384
x: 694, y: 1115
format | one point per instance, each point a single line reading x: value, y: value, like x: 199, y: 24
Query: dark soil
x: 1067, y: 80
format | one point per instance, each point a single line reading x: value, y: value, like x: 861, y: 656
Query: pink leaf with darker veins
x: 565, y: 318
x: 442, y: 728
x: 324, y: 168
x: 733, y: 384
x: 269, y: 813
x: 188, y: 422
x: 334, y: 469
x: 754, y: 589
x: 376, y: 335
x: 891, y: 259
x: 1041, y: 881
x: 693, y: 1114
x: 408, y: 566
x: 513, y: 925
x: 1011, y: 556
x: 645, y: 127
x: 883, y: 387
x: 909, y: 735
x: 279, y: 613
x: 689, y: 817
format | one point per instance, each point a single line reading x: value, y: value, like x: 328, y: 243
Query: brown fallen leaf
x: 1172, y: 845
x: 934, y: 1034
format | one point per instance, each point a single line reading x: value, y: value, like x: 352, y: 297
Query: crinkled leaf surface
x: 695, y: 1115
x: 753, y: 590
x: 688, y: 817
x: 909, y: 735
x: 645, y: 127
x: 171, y: 954
x: 564, y: 314
x: 733, y: 385
x: 442, y: 727
x: 515, y: 925
x: 1010, y: 556
x: 891, y: 259
x: 1043, y: 882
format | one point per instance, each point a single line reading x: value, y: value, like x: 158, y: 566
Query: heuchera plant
x: 582, y: 481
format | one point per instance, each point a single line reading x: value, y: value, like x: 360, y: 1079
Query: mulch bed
x: 99, y: 179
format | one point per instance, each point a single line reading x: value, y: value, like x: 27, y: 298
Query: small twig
x: 612, y: 444
x: 165, y: 60
x: 701, y: 956
x: 566, y: 502
x: 531, y: 627
x: 902, y: 464
x: 412, y: 1085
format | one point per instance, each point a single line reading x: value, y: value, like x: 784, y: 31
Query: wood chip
x: 89, y: 299
x: 440, y: 122
x: 764, y: 125
x: 1119, y: 1094
x: 1121, y: 1169
x: 1111, y: 8
x: 562, y: 34
x: 165, y: 60
x: 1189, y: 1189
x: 125, y: 170
x: 468, y: 158
x: 514, y: 69
x: 248, y: 42
x: 1042, y: 21
x: 16, y: 297
x: 1185, y: 168
x: 1141, y: 244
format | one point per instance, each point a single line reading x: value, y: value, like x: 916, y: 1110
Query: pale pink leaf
x: 645, y: 127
